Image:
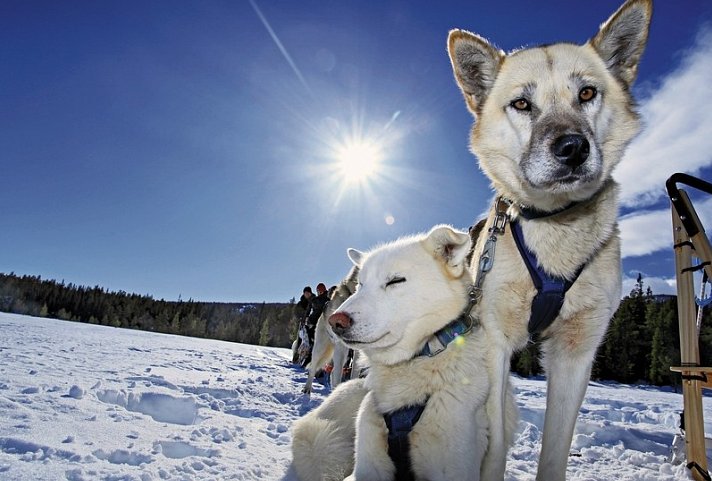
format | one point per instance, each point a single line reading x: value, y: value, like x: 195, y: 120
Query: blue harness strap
x: 551, y: 290
x: 400, y: 423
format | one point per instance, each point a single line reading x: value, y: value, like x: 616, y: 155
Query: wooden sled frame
x: 689, y: 236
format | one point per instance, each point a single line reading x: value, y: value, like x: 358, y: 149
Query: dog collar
x: 463, y: 324
x: 530, y: 213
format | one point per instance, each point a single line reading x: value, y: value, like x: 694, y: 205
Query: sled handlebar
x: 681, y: 207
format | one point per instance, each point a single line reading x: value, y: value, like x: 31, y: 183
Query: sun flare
x: 359, y: 161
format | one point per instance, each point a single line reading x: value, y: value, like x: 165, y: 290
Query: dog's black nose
x: 571, y: 150
x: 340, y: 322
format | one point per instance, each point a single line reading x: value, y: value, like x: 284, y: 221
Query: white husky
x: 551, y: 124
x: 411, y: 317
x: 326, y: 346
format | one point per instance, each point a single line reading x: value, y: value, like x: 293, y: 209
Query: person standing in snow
x: 304, y: 304
x: 301, y: 312
x: 316, y: 307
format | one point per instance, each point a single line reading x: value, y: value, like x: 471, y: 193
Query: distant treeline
x: 267, y: 324
x: 641, y: 344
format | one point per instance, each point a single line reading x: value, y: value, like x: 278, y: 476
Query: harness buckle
x: 434, y: 347
x: 476, y: 294
x: 500, y: 220
x: 488, y: 250
x: 487, y: 257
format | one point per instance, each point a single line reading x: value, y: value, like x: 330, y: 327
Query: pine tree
x: 526, y: 362
x: 265, y: 332
x: 623, y: 354
x: 664, y: 350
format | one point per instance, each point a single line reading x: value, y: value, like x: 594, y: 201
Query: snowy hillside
x: 83, y: 402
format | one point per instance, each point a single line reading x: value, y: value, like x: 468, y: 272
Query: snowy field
x: 82, y: 402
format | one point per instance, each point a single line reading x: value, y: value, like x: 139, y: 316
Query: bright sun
x: 359, y: 160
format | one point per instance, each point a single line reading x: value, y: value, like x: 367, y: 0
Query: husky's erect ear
x: 356, y: 256
x: 450, y: 246
x: 475, y: 63
x: 621, y: 39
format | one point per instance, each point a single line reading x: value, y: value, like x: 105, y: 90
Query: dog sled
x: 690, y: 241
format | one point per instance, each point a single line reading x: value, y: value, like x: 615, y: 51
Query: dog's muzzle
x: 571, y: 150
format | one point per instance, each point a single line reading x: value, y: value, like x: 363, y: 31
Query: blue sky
x: 191, y: 148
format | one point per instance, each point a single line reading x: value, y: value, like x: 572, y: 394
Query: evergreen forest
x: 267, y: 324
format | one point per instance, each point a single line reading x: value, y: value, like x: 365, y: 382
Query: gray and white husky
x: 551, y: 124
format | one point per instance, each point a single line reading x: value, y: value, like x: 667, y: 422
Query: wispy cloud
x: 677, y: 135
x: 645, y: 232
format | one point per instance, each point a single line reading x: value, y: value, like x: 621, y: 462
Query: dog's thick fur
x: 407, y: 291
x: 323, y: 440
x: 524, y: 103
x: 326, y: 346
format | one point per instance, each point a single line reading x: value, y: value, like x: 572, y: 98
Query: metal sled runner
x: 690, y: 240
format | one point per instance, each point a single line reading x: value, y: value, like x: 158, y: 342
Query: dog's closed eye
x: 395, y: 280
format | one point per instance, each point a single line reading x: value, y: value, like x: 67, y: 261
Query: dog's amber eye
x: 587, y: 94
x: 521, y: 104
x: 395, y: 280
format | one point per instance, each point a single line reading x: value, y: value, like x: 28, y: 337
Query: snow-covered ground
x: 83, y: 402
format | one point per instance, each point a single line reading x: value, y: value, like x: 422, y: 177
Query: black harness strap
x: 530, y: 213
x: 400, y: 423
x: 551, y: 290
